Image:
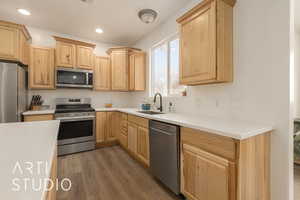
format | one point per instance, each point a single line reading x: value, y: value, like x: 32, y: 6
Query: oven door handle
x: 74, y: 119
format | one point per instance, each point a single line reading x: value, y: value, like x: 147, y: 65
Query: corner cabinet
x: 14, y: 40
x: 102, y: 74
x: 107, y: 127
x: 127, y: 69
x: 206, y: 43
x: 41, y: 68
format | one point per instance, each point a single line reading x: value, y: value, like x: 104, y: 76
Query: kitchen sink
x: 149, y: 112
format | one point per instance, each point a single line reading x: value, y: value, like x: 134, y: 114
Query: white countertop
x: 232, y: 128
x: 21, y: 145
x: 38, y: 112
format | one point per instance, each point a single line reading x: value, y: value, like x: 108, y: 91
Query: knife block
x: 36, y: 107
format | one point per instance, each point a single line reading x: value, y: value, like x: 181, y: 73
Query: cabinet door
x: 119, y: 67
x: 23, y: 49
x: 100, y: 127
x: 9, y: 43
x: 143, y: 145
x: 110, y: 133
x: 65, y: 54
x: 137, y: 71
x: 102, y: 74
x: 85, y: 57
x: 116, y: 124
x: 205, y: 176
x: 41, y: 68
x: 198, y: 46
x: 132, y: 137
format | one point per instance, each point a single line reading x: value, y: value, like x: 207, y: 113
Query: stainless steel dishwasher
x: 164, y: 154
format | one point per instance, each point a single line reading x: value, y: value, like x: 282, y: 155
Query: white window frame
x: 165, y: 41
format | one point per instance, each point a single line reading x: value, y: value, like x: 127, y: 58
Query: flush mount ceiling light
x: 23, y: 11
x: 147, y: 15
x: 99, y: 30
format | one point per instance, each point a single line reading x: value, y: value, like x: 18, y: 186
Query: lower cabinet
x: 204, y: 175
x: 215, y: 167
x: 106, y: 127
x: 138, y: 138
x: 143, y: 147
x: 31, y: 118
x: 132, y: 137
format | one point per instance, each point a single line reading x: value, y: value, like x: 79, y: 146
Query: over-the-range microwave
x: 74, y: 78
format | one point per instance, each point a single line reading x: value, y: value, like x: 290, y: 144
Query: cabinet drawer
x: 31, y: 118
x: 139, y: 121
x: 215, y: 144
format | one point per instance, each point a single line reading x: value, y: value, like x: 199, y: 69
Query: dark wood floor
x: 108, y: 174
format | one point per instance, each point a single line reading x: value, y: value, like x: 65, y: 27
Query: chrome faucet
x: 160, y: 101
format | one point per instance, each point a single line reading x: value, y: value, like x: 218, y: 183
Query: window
x: 165, y: 68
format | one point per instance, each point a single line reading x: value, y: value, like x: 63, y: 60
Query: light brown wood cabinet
x: 132, y: 137
x: 138, y: 138
x: 206, y: 43
x: 127, y: 69
x: 137, y: 71
x: 41, y: 68
x: 217, y: 167
x: 123, y: 136
x: 143, y: 145
x: 32, y: 118
x: 85, y: 57
x: 74, y: 54
x: 107, y: 127
x: 65, y: 54
x: 102, y: 74
x: 14, y: 40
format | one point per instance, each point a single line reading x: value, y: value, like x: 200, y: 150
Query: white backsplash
x: 99, y: 98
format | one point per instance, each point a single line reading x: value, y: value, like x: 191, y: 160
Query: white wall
x: 261, y: 88
x: 297, y: 75
x: 44, y: 38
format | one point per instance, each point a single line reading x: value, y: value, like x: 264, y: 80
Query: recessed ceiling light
x: 24, y: 12
x: 99, y: 30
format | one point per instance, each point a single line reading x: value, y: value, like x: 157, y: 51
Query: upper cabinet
x: 102, y: 74
x: 14, y: 40
x: 206, y: 44
x: 65, y: 54
x: 74, y: 54
x: 41, y: 68
x: 137, y: 71
x: 85, y: 57
x: 127, y: 69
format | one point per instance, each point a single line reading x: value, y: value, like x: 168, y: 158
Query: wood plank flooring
x: 108, y: 174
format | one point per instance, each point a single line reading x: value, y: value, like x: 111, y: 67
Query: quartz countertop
x: 232, y: 128
x: 39, y: 112
x: 23, y: 145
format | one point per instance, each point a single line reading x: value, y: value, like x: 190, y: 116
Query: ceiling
x: 117, y: 18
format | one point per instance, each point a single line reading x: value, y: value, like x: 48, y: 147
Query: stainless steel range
x: 77, y: 127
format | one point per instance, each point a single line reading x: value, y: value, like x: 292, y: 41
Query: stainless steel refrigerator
x: 13, y: 92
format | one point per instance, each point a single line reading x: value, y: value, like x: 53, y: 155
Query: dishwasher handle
x: 161, y: 131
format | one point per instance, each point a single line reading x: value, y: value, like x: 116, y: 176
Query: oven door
x: 76, y: 130
x: 74, y: 78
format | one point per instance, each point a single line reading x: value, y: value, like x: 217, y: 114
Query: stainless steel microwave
x: 74, y: 78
